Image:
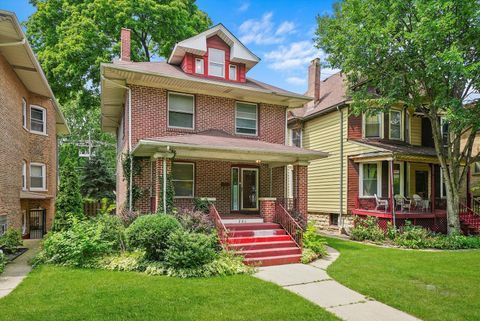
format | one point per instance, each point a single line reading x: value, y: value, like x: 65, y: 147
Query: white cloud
x: 296, y: 80
x: 263, y: 31
x: 244, y: 6
x: 296, y: 55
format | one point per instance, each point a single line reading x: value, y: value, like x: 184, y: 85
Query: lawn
x: 57, y: 293
x: 430, y: 285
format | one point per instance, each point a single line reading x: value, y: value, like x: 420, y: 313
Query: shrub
x: 201, y: 205
x: 308, y: 255
x: 128, y: 217
x: 413, y: 237
x: 112, y: 230
x: 125, y: 261
x: 195, y: 221
x: 367, y: 229
x: 78, y: 246
x: 11, y: 240
x: 3, y: 262
x: 313, y: 241
x: 150, y: 233
x: 188, y: 250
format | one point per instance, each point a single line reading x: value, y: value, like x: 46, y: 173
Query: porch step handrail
x: 289, y: 224
x: 223, y: 232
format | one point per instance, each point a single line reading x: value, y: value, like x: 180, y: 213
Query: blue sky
x: 279, y: 32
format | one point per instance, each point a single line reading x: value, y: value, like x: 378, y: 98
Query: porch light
x: 258, y: 161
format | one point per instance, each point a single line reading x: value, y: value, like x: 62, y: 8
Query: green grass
x: 430, y: 285
x: 56, y: 293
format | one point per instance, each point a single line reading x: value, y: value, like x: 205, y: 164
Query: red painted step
x: 253, y: 226
x: 274, y: 238
x: 273, y: 260
x: 270, y: 252
x: 262, y: 245
x: 236, y: 233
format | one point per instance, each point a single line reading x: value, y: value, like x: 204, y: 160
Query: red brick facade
x: 18, y: 144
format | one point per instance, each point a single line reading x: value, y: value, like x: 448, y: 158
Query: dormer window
x: 396, y: 124
x: 199, y: 66
x: 232, y: 74
x: 216, y: 62
x: 372, y: 125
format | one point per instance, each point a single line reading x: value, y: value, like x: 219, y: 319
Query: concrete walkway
x: 18, y: 269
x: 313, y: 283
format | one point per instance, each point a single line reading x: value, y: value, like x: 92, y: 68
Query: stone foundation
x: 322, y: 222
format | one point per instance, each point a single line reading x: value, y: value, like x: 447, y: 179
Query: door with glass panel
x: 244, y: 189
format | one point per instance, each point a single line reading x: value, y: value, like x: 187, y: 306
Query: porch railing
x: 290, y: 225
x: 476, y: 206
x: 223, y: 232
x: 415, y: 207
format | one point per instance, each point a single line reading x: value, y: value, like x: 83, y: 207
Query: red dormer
x: 214, y: 53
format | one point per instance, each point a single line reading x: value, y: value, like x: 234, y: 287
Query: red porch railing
x: 223, y: 232
x: 289, y: 224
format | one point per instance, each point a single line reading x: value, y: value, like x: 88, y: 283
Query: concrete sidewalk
x: 18, y: 269
x: 313, y: 283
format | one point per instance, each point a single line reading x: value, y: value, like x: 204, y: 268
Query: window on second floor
x: 216, y: 62
x: 38, y: 120
x: 444, y: 131
x: 38, y: 178
x: 396, y: 124
x: 181, y: 109
x: 232, y: 75
x: 372, y: 125
x: 24, y: 175
x: 296, y: 137
x: 24, y: 113
x: 476, y: 168
x: 246, y: 119
x: 199, y: 66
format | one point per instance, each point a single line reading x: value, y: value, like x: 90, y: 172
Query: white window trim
x: 236, y: 72
x: 382, y: 130
x: 474, y: 172
x: 24, y: 175
x: 379, y: 180
x: 168, y: 110
x: 402, y: 134
x: 201, y: 61
x: 217, y: 62
x: 44, y: 132
x: 24, y: 114
x: 256, y: 121
x: 402, y: 178
x: 44, y: 178
x: 179, y: 180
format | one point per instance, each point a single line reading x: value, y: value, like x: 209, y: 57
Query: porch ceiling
x: 387, y: 156
x: 211, y: 147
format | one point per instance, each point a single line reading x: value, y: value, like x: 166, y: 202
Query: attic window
x: 199, y: 66
x: 216, y: 62
x: 232, y: 72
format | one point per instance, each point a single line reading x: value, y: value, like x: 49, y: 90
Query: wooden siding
x: 323, y: 133
x: 416, y: 131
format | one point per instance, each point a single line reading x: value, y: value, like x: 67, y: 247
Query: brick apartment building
x: 30, y: 122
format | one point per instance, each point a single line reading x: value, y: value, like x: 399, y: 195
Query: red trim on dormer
x: 188, y: 62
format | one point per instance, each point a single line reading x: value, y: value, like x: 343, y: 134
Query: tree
x: 69, y: 203
x: 424, y: 53
x: 72, y: 38
x: 98, y: 181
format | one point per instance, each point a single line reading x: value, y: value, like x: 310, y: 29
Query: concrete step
x: 256, y: 233
x: 266, y: 253
x: 253, y: 239
x: 253, y: 226
x: 262, y: 245
x: 273, y: 260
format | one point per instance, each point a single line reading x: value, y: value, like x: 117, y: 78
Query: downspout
x: 164, y: 198
x: 130, y: 179
x: 340, y: 218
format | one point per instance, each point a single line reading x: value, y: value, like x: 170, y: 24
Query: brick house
x: 218, y: 133
x: 30, y: 122
x: 383, y: 165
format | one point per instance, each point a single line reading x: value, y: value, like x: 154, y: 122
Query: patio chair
x: 380, y: 203
x: 420, y: 203
x: 403, y: 202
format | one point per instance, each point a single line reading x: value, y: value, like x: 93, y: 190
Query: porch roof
x: 218, y: 145
x: 396, y: 150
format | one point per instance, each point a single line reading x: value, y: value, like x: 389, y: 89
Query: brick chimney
x: 125, y: 44
x: 314, y: 79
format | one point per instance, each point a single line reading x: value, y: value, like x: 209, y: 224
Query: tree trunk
x: 453, y: 210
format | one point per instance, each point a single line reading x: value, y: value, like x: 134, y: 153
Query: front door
x: 37, y: 223
x: 244, y: 189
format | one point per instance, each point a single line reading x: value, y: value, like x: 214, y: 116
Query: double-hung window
x: 24, y: 175
x: 37, y: 177
x: 372, y: 125
x: 24, y: 113
x: 396, y: 124
x: 296, y: 137
x: 370, y: 178
x: 216, y: 62
x: 199, y: 66
x: 38, y: 120
x: 232, y: 72
x: 476, y: 168
x: 183, y: 178
x: 246, y: 118
x: 181, y: 109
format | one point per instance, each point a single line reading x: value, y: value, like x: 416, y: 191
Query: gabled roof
x: 333, y: 93
x: 17, y: 51
x: 198, y: 45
